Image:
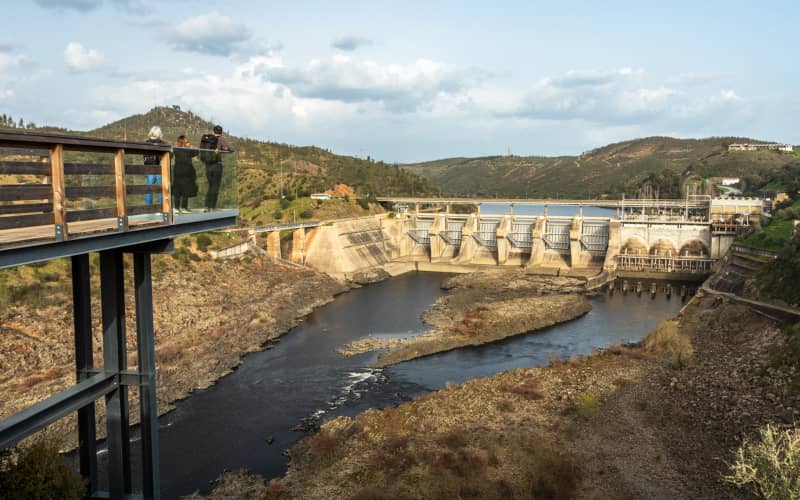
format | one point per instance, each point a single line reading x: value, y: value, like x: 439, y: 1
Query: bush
x: 38, y: 471
x: 306, y: 214
x: 587, y: 407
x: 284, y: 203
x: 668, y: 338
x: 363, y: 203
x: 203, y: 242
x: 770, y: 466
x: 278, y: 215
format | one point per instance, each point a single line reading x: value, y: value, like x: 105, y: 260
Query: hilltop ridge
x: 622, y: 167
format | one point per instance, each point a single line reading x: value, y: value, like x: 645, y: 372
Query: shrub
x: 668, y: 338
x: 284, y: 203
x: 528, y: 389
x: 587, y: 407
x: 555, y: 476
x: 770, y: 466
x: 306, y: 214
x: 363, y: 203
x: 203, y: 242
x: 278, y: 215
x: 38, y: 471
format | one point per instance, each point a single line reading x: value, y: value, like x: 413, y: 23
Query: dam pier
x: 652, y: 239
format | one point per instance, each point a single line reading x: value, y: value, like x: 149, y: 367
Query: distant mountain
x: 263, y: 165
x: 668, y: 165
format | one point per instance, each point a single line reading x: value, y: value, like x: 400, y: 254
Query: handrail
x: 27, y: 210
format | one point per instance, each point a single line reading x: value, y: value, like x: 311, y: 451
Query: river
x: 246, y: 419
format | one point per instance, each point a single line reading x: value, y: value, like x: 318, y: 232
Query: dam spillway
x: 645, y: 237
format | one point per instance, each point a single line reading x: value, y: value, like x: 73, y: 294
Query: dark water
x: 302, y: 379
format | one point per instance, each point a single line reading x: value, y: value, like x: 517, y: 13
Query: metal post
x: 145, y: 340
x: 112, y: 290
x: 82, y: 318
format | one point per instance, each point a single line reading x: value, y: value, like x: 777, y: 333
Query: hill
x: 264, y: 166
x: 666, y: 164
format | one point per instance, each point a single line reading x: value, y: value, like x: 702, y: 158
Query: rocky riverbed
x: 207, y: 316
x: 659, y: 421
x: 483, y: 307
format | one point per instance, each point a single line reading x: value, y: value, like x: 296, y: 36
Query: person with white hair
x: 154, y: 137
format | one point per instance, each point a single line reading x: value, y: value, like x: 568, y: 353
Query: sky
x: 414, y: 80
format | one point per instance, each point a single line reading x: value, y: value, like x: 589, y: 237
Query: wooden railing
x: 58, y: 201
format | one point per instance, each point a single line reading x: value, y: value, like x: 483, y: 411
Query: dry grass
x: 528, y: 389
x: 668, y: 338
x: 167, y: 353
x: 36, y: 378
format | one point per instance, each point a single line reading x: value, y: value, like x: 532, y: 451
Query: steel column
x: 112, y: 289
x: 84, y: 362
x: 145, y: 340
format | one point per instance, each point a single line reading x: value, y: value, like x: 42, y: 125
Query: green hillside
x: 667, y: 164
x: 264, y: 166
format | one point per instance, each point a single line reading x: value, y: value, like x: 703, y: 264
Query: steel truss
x: 109, y: 382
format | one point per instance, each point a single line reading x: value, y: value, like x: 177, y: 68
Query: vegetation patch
x: 38, y: 471
x: 769, y: 467
x: 587, y: 406
x: 669, y: 339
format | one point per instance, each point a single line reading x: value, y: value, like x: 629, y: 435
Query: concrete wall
x: 675, y: 235
x: 350, y: 246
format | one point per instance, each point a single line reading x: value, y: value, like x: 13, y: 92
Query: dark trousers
x: 214, y: 175
x: 181, y: 201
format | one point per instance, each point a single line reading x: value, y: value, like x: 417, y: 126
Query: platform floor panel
x: 35, y: 235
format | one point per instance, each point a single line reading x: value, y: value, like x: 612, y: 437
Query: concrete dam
x: 666, y: 238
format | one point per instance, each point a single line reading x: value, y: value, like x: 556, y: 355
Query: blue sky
x: 409, y: 81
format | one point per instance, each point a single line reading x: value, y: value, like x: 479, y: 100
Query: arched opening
x: 694, y: 248
x: 663, y: 248
x: 634, y: 246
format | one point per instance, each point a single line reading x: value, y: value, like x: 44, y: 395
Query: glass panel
x: 203, y: 181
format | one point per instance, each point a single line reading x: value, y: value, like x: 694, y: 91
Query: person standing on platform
x: 211, y: 147
x: 184, y: 183
x: 154, y: 137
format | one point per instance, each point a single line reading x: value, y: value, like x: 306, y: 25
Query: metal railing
x: 664, y: 264
x: 56, y: 187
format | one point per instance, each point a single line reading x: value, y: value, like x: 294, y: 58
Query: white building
x: 750, y: 146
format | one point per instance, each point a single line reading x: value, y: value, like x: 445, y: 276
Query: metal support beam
x: 112, y: 289
x: 84, y: 363
x: 44, y: 413
x: 145, y: 340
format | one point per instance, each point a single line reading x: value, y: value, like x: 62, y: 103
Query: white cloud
x: 350, y: 42
x: 10, y: 60
x: 399, y: 87
x: 212, y: 33
x: 79, y: 58
x: 78, y: 5
x: 693, y: 79
x: 618, y: 97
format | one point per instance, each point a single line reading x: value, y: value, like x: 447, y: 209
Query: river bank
x: 659, y: 420
x: 207, y: 315
x: 480, y: 308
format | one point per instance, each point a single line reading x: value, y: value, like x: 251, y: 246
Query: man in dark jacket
x: 214, y: 169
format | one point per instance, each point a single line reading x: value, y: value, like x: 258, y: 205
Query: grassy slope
x: 609, y: 170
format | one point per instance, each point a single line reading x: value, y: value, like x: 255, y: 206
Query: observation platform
x: 62, y: 195
x: 67, y: 196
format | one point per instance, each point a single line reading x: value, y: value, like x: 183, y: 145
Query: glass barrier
x: 203, y: 181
